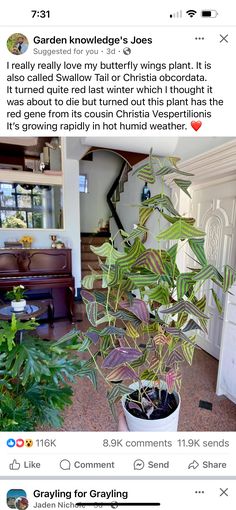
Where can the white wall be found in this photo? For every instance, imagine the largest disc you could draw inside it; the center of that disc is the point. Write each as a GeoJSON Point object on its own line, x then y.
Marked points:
{"type": "Point", "coordinates": [101, 173]}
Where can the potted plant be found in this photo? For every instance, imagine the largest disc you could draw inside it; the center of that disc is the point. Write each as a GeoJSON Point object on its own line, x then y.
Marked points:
{"type": "Point", "coordinates": [16, 295]}
{"type": "Point", "coordinates": [36, 376]}
{"type": "Point", "coordinates": [26, 241]}
{"type": "Point", "coordinates": [145, 319]}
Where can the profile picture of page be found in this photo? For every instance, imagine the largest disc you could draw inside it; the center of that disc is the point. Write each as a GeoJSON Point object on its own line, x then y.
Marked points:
{"type": "Point", "coordinates": [17, 498]}
{"type": "Point", "coordinates": [17, 44]}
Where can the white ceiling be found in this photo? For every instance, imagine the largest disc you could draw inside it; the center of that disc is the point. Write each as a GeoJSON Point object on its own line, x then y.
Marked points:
{"type": "Point", "coordinates": [183, 147]}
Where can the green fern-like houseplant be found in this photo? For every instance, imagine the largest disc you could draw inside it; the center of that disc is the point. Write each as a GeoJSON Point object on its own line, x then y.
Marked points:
{"type": "Point", "coordinates": [145, 318]}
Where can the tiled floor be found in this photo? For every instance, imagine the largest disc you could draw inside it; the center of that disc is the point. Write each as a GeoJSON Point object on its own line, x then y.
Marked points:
{"type": "Point", "coordinates": [199, 382]}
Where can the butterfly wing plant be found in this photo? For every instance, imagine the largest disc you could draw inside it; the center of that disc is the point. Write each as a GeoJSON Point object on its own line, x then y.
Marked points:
{"type": "Point", "coordinates": [144, 319]}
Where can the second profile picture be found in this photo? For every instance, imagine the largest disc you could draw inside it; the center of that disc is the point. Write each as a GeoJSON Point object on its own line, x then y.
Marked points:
{"type": "Point", "coordinates": [17, 44]}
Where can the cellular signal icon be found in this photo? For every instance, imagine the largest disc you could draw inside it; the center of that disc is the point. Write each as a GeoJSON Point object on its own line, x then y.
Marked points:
{"type": "Point", "coordinates": [177, 14]}
{"type": "Point", "coordinates": [191, 13]}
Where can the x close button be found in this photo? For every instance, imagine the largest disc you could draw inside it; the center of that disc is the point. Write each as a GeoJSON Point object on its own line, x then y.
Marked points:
{"type": "Point", "coordinates": [224, 492]}
{"type": "Point", "coordinates": [224, 38]}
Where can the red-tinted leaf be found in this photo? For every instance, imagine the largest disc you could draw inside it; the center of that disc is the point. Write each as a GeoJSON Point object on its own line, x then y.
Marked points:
{"type": "Point", "coordinates": [120, 355]}
{"type": "Point", "coordinates": [138, 308]}
{"type": "Point", "coordinates": [121, 373]}
{"type": "Point", "coordinates": [87, 296]}
{"type": "Point", "coordinates": [132, 405]}
{"type": "Point", "coordinates": [93, 336]}
{"type": "Point", "coordinates": [91, 310]}
{"type": "Point", "coordinates": [170, 380]}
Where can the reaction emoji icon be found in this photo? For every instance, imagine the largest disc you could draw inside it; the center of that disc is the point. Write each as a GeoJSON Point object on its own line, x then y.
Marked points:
{"type": "Point", "coordinates": [28, 443]}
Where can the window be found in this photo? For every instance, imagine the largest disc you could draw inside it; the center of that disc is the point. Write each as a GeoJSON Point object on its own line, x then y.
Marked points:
{"type": "Point", "coordinates": [83, 183]}
{"type": "Point", "coordinates": [21, 206]}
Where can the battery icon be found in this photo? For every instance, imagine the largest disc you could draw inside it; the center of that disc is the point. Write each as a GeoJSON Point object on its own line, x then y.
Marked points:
{"type": "Point", "coordinates": [209, 14]}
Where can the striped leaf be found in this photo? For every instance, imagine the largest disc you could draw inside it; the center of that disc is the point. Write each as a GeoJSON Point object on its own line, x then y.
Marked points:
{"type": "Point", "coordinates": [182, 318]}
{"type": "Point", "coordinates": [165, 170]}
{"type": "Point", "coordinates": [173, 160]}
{"type": "Point", "coordinates": [151, 260]}
{"type": "Point", "coordinates": [126, 261]}
{"type": "Point", "coordinates": [112, 330]}
{"type": "Point", "coordinates": [120, 355]}
{"type": "Point", "coordinates": [131, 331]}
{"type": "Point", "coordinates": [170, 380]}
{"type": "Point", "coordinates": [93, 336]}
{"type": "Point", "coordinates": [175, 356]}
{"type": "Point", "coordinates": [114, 395]}
{"type": "Point", "coordinates": [88, 297]}
{"type": "Point", "coordinates": [121, 373]}
{"type": "Point", "coordinates": [83, 346]}
{"type": "Point", "coordinates": [188, 351]}
{"type": "Point", "coordinates": [201, 303]}
{"type": "Point", "coordinates": [126, 316]}
{"type": "Point", "coordinates": [88, 280]}
{"type": "Point", "coordinates": [161, 293]}
{"type": "Point", "coordinates": [180, 230]}
{"type": "Point", "coordinates": [161, 339]}
{"type": "Point", "coordinates": [172, 252]}
{"type": "Point", "coordinates": [138, 308]}
{"type": "Point", "coordinates": [161, 200]}
{"type": "Point", "coordinates": [148, 375]}
{"type": "Point", "coordinates": [142, 280]}
{"type": "Point", "coordinates": [197, 246]}
{"type": "Point", "coordinates": [117, 392]}
{"type": "Point", "coordinates": [100, 297]}
{"type": "Point", "coordinates": [185, 306]}
{"type": "Point", "coordinates": [177, 333]}
{"type": "Point", "coordinates": [146, 173]}
{"type": "Point", "coordinates": [183, 283]}
{"type": "Point", "coordinates": [139, 361]}
{"type": "Point", "coordinates": [107, 317]}
{"type": "Point", "coordinates": [173, 219]}
{"type": "Point", "coordinates": [191, 325]}
{"type": "Point", "coordinates": [92, 310]}
{"type": "Point", "coordinates": [144, 215]}
{"type": "Point", "coordinates": [105, 344]}
{"type": "Point", "coordinates": [126, 286]}
{"type": "Point", "coordinates": [184, 185]}
{"type": "Point", "coordinates": [116, 278]}
{"type": "Point", "coordinates": [229, 278]}
{"type": "Point", "coordinates": [208, 272]}
{"type": "Point", "coordinates": [140, 231]}
{"type": "Point", "coordinates": [86, 371]}
{"type": "Point", "coordinates": [151, 328]}
{"type": "Point", "coordinates": [107, 251]}
{"type": "Point", "coordinates": [217, 301]}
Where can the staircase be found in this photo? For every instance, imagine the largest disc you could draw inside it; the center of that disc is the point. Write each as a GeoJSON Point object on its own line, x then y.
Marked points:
{"type": "Point", "coordinates": [88, 259]}
{"type": "Point", "coordinates": [130, 159]}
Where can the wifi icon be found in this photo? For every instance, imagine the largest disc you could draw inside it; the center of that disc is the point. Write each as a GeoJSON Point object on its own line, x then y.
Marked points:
{"type": "Point", "coordinates": [191, 13]}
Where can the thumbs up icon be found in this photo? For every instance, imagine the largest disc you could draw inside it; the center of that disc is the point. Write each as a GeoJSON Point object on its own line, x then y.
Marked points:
{"type": "Point", "coordinates": [14, 466]}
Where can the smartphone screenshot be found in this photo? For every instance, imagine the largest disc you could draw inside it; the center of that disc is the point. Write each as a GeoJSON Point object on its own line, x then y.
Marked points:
{"type": "Point", "coordinates": [117, 255]}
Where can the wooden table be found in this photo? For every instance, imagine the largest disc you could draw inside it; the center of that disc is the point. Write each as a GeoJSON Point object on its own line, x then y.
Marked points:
{"type": "Point", "coordinates": [33, 309]}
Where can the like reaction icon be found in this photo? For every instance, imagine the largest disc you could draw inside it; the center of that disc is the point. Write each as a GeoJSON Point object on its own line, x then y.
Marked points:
{"type": "Point", "coordinates": [14, 466]}
{"type": "Point", "coordinates": [11, 442]}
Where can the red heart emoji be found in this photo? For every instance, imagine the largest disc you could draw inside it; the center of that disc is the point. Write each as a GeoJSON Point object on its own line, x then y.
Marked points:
{"type": "Point", "coordinates": [20, 443]}
{"type": "Point", "coordinates": [196, 124]}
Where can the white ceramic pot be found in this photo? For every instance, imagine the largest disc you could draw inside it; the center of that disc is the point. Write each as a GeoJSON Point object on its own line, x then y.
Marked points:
{"type": "Point", "coordinates": [18, 306]}
{"type": "Point", "coordinates": [169, 424]}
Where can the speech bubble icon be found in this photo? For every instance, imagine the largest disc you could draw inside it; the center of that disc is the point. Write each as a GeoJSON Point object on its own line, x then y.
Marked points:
{"type": "Point", "coordinates": [65, 464]}
{"type": "Point", "coordinates": [138, 464]}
